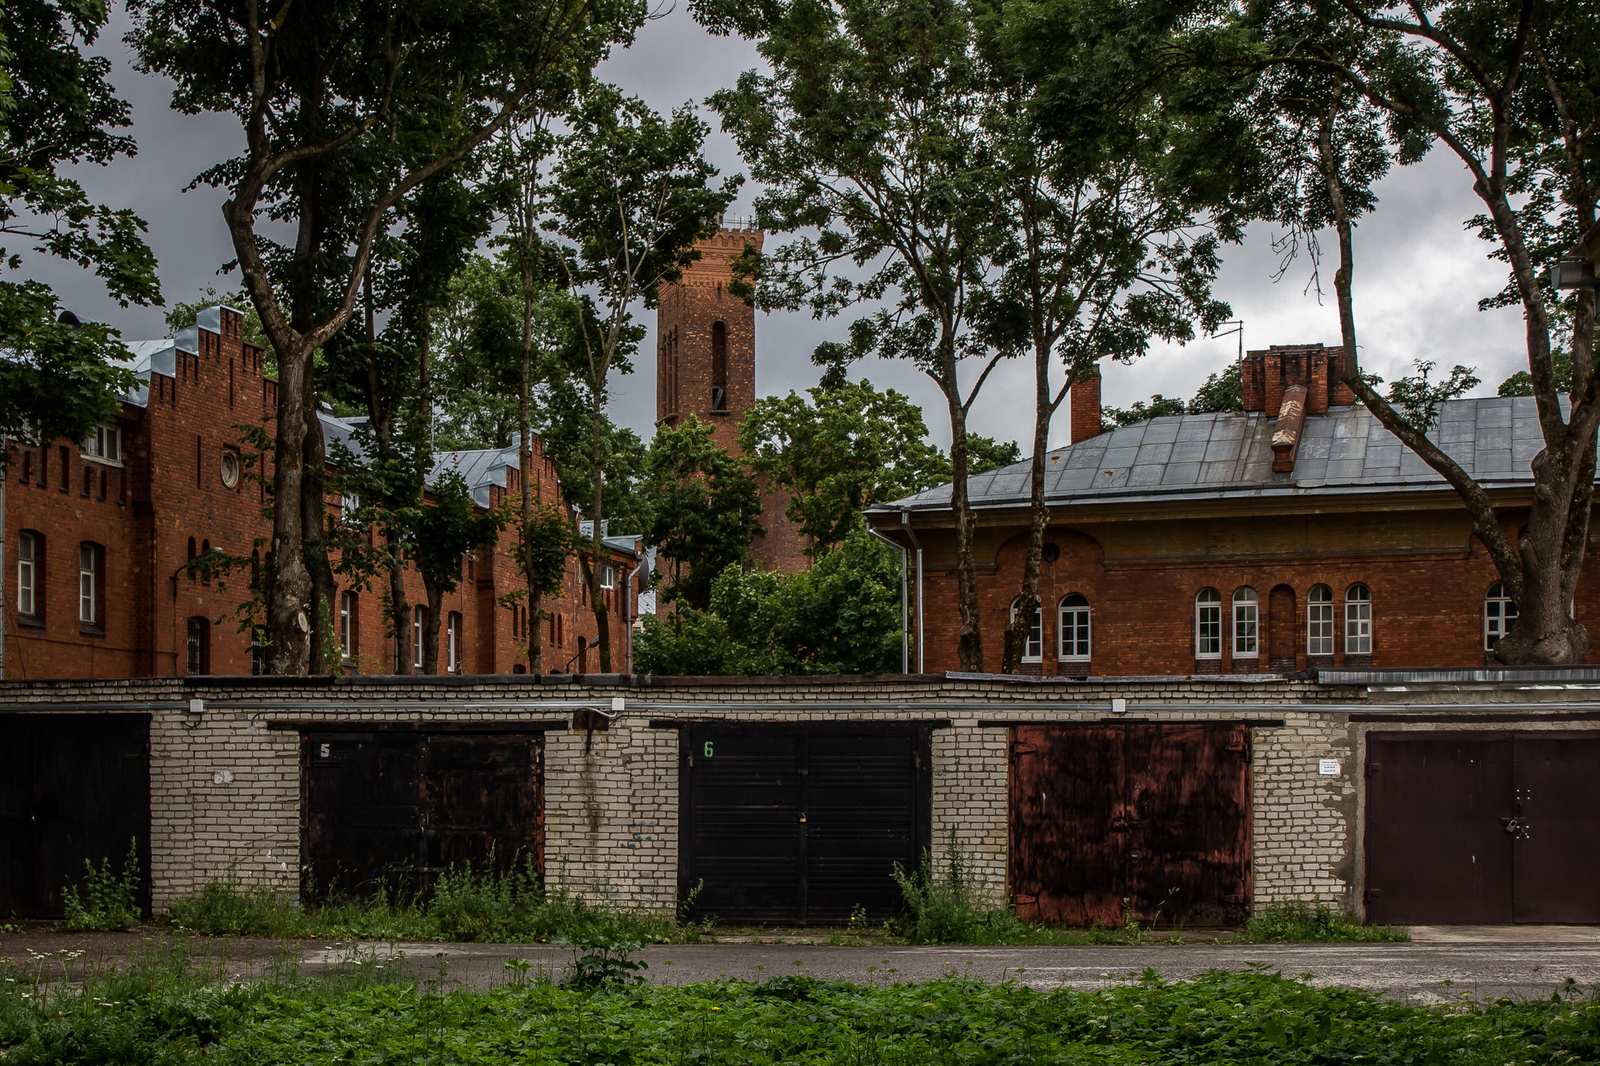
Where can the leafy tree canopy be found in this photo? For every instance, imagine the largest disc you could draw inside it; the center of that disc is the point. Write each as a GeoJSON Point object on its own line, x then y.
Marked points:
{"type": "Point", "coordinates": [705, 510]}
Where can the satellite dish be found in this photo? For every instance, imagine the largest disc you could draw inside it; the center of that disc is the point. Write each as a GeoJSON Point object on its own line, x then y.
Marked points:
{"type": "Point", "coordinates": [67, 318]}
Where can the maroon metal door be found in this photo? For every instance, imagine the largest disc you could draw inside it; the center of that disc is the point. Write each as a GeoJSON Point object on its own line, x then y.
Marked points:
{"type": "Point", "coordinates": [1436, 848]}
{"type": "Point", "coordinates": [1557, 839]}
{"type": "Point", "coordinates": [1153, 815]}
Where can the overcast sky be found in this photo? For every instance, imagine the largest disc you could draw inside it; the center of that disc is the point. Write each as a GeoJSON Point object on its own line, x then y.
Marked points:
{"type": "Point", "coordinates": [1419, 273]}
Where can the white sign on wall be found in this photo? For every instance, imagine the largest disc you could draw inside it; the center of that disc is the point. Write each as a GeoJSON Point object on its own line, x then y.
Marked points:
{"type": "Point", "coordinates": [1328, 767]}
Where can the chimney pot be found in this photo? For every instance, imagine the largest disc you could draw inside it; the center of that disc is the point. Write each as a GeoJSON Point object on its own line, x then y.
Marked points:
{"type": "Point", "coordinates": [1086, 407]}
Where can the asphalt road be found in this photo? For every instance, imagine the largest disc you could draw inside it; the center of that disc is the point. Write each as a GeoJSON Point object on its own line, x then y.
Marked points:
{"type": "Point", "coordinates": [1418, 972]}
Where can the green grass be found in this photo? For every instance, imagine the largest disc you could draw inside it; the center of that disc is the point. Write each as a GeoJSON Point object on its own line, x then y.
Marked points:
{"type": "Point", "coordinates": [164, 1009]}
{"type": "Point", "coordinates": [1300, 922]}
{"type": "Point", "coordinates": [507, 908]}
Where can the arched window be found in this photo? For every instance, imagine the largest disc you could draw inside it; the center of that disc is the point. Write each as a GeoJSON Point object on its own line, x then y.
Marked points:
{"type": "Point", "coordinates": [205, 571]}
{"type": "Point", "coordinates": [1499, 615]}
{"type": "Point", "coordinates": [198, 643]}
{"type": "Point", "coordinates": [453, 643]}
{"type": "Point", "coordinates": [1358, 620]}
{"type": "Point", "coordinates": [1075, 626]}
{"type": "Point", "coordinates": [1246, 623]}
{"type": "Point", "coordinates": [419, 619]}
{"type": "Point", "coordinates": [30, 576]}
{"type": "Point", "coordinates": [349, 622]}
{"type": "Point", "coordinates": [1208, 624]}
{"type": "Point", "coordinates": [1033, 650]}
{"type": "Point", "coordinates": [1319, 620]}
{"type": "Point", "coordinates": [192, 554]}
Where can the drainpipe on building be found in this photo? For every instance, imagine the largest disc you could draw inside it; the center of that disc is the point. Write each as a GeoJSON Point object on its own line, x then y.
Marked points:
{"type": "Point", "coordinates": [905, 521]}
{"type": "Point", "coordinates": [905, 632]}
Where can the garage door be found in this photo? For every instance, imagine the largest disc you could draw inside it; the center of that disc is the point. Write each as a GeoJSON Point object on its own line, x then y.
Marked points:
{"type": "Point", "coordinates": [1147, 817]}
{"type": "Point", "coordinates": [1469, 828]}
{"type": "Point", "coordinates": [72, 787]}
{"type": "Point", "coordinates": [397, 809]}
{"type": "Point", "coordinates": [799, 823]}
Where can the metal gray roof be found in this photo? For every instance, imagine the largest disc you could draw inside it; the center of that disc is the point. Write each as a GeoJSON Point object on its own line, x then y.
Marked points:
{"type": "Point", "coordinates": [1212, 456]}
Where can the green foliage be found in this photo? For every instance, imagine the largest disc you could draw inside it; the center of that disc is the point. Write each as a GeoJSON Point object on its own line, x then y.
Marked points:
{"type": "Point", "coordinates": [986, 453]}
{"type": "Point", "coordinates": [1417, 399]}
{"type": "Point", "coordinates": [168, 1009]}
{"type": "Point", "coordinates": [543, 547]}
{"type": "Point", "coordinates": [839, 616]}
{"type": "Point", "coordinates": [1220, 392]}
{"type": "Point", "coordinates": [943, 906]}
{"type": "Point", "coordinates": [1521, 383]}
{"type": "Point", "coordinates": [704, 511]}
{"type": "Point", "coordinates": [1298, 921]}
{"type": "Point", "coordinates": [602, 959]}
{"type": "Point", "coordinates": [110, 901]}
{"type": "Point", "coordinates": [1159, 407]}
{"type": "Point", "coordinates": [515, 906]}
{"type": "Point", "coordinates": [450, 528]}
{"type": "Point", "coordinates": [847, 448]}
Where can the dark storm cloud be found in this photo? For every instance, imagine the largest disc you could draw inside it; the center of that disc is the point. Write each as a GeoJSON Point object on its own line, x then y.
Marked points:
{"type": "Point", "coordinates": [1419, 274]}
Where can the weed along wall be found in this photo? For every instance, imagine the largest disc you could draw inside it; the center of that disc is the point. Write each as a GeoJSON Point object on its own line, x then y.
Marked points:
{"type": "Point", "coordinates": [790, 800]}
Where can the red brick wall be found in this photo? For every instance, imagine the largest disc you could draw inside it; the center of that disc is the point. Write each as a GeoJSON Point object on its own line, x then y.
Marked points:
{"type": "Point", "coordinates": [169, 489]}
{"type": "Point", "coordinates": [1427, 609]}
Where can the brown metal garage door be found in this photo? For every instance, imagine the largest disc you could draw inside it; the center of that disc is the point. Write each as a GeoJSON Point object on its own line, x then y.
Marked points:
{"type": "Point", "coordinates": [1152, 814]}
{"type": "Point", "coordinates": [72, 787]}
{"type": "Point", "coordinates": [397, 809]}
{"type": "Point", "coordinates": [1467, 828]}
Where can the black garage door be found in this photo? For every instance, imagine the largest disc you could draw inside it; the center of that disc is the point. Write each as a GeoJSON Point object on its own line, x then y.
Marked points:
{"type": "Point", "coordinates": [397, 809]}
{"type": "Point", "coordinates": [798, 823]}
{"type": "Point", "coordinates": [1467, 828]}
{"type": "Point", "coordinates": [1148, 817]}
{"type": "Point", "coordinates": [72, 787]}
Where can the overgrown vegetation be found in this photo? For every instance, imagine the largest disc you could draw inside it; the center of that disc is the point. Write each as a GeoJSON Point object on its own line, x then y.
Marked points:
{"type": "Point", "coordinates": [110, 900]}
{"type": "Point", "coordinates": [1299, 921]}
{"type": "Point", "coordinates": [164, 1008]}
{"type": "Point", "coordinates": [505, 908]}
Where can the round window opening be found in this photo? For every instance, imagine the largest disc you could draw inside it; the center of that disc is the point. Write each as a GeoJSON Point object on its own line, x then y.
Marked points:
{"type": "Point", "coordinates": [230, 469]}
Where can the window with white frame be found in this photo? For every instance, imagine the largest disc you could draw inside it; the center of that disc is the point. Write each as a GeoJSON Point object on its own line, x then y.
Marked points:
{"type": "Point", "coordinates": [419, 618]}
{"type": "Point", "coordinates": [1319, 620]}
{"type": "Point", "coordinates": [1208, 624]}
{"type": "Point", "coordinates": [1033, 650]}
{"type": "Point", "coordinates": [453, 643]}
{"type": "Point", "coordinates": [1246, 623]}
{"type": "Point", "coordinates": [103, 443]}
{"type": "Point", "coordinates": [29, 557]}
{"type": "Point", "coordinates": [608, 576]}
{"type": "Point", "coordinates": [347, 622]}
{"type": "Point", "coordinates": [1074, 626]}
{"type": "Point", "coordinates": [1358, 620]}
{"type": "Point", "coordinates": [89, 582]}
{"type": "Point", "coordinates": [1499, 615]}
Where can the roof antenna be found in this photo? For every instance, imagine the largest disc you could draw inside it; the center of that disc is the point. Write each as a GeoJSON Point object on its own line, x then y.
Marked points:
{"type": "Point", "coordinates": [1238, 327]}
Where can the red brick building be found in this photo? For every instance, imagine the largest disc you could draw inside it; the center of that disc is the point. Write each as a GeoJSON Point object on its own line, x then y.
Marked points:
{"type": "Point", "coordinates": [1298, 533]}
{"type": "Point", "coordinates": [706, 367]}
{"type": "Point", "coordinates": [99, 535]}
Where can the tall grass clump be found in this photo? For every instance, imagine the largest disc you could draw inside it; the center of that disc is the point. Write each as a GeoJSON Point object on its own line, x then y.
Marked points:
{"type": "Point", "coordinates": [1300, 921]}
{"type": "Point", "coordinates": [110, 900]}
{"type": "Point", "coordinates": [942, 905]}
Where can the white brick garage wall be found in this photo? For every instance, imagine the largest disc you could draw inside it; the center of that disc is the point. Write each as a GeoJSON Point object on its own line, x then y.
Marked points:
{"type": "Point", "coordinates": [226, 782]}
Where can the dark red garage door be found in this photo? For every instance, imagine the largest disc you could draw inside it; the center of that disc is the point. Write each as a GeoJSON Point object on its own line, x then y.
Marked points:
{"type": "Point", "coordinates": [1154, 814]}
{"type": "Point", "coordinates": [1466, 828]}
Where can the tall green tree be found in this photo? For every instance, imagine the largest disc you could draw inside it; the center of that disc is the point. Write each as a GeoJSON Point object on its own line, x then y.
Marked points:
{"type": "Point", "coordinates": [866, 133]}
{"type": "Point", "coordinates": [57, 109]}
{"type": "Point", "coordinates": [632, 195]}
{"type": "Point", "coordinates": [1512, 91]}
{"type": "Point", "coordinates": [365, 101]}
{"type": "Point", "coordinates": [705, 511]}
{"type": "Point", "coordinates": [839, 452]}
{"type": "Point", "coordinates": [447, 530]}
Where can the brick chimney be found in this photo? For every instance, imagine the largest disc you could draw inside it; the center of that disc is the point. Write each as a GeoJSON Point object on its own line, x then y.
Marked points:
{"type": "Point", "coordinates": [1086, 407]}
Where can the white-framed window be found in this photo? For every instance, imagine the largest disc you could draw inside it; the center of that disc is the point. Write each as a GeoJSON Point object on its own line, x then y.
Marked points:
{"type": "Point", "coordinates": [1246, 623]}
{"type": "Point", "coordinates": [1033, 650]}
{"type": "Point", "coordinates": [453, 643]}
{"type": "Point", "coordinates": [419, 618]}
{"type": "Point", "coordinates": [89, 584]}
{"type": "Point", "coordinates": [1208, 624]}
{"type": "Point", "coordinates": [349, 504]}
{"type": "Point", "coordinates": [347, 622]}
{"type": "Point", "coordinates": [1074, 636]}
{"type": "Point", "coordinates": [28, 558]}
{"type": "Point", "coordinates": [104, 443]}
{"type": "Point", "coordinates": [1499, 615]}
{"type": "Point", "coordinates": [608, 576]}
{"type": "Point", "coordinates": [1358, 620]}
{"type": "Point", "coordinates": [1319, 620]}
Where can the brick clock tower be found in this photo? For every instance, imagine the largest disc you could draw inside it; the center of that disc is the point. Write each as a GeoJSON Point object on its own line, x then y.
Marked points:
{"type": "Point", "coordinates": [706, 367]}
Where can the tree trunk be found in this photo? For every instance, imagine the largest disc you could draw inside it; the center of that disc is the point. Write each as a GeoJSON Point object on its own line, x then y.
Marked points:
{"type": "Point", "coordinates": [1020, 622]}
{"type": "Point", "coordinates": [969, 644]}
{"type": "Point", "coordinates": [597, 603]}
{"type": "Point", "coordinates": [430, 627]}
{"type": "Point", "coordinates": [399, 612]}
{"type": "Point", "coordinates": [535, 632]}
{"type": "Point", "coordinates": [289, 585]}
{"type": "Point", "coordinates": [313, 526]}
{"type": "Point", "coordinates": [525, 459]}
